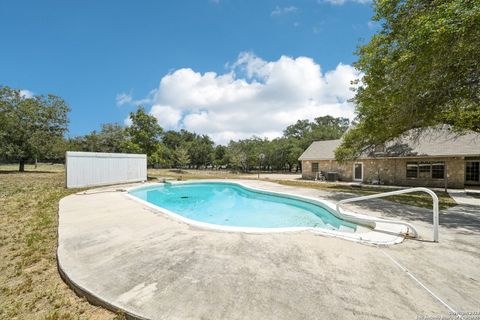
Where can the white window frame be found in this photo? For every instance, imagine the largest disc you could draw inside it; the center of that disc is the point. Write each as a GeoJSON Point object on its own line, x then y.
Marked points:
{"type": "Point", "coordinates": [353, 176]}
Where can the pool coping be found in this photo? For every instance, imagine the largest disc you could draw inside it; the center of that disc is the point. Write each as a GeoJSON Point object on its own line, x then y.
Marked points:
{"type": "Point", "coordinates": [390, 233]}
{"type": "Point", "coordinates": [98, 298]}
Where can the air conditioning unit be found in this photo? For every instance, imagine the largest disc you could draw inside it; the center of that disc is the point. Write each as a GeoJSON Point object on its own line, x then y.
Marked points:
{"type": "Point", "coordinates": [332, 176]}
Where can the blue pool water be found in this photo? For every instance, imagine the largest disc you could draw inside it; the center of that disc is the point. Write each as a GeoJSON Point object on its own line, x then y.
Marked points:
{"type": "Point", "coordinates": [233, 205]}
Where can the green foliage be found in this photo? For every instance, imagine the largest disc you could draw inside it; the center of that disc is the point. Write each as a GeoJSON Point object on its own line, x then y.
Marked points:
{"type": "Point", "coordinates": [200, 147]}
{"type": "Point", "coordinates": [243, 154]}
{"type": "Point", "coordinates": [57, 149]}
{"type": "Point", "coordinates": [323, 128]}
{"type": "Point", "coordinates": [200, 151]}
{"type": "Point", "coordinates": [144, 131]}
{"type": "Point", "coordinates": [421, 70]}
{"type": "Point", "coordinates": [161, 157]}
{"type": "Point", "coordinates": [181, 156]}
{"type": "Point", "coordinates": [283, 153]}
{"type": "Point", "coordinates": [111, 138]}
{"type": "Point", "coordinates": [30, 127]}
{"type": "Point", "coordinates": [219, 156]}
{"type": "Point", "coordinates": [237, 158]}
{"type": "Point", "coordinates": [173, 139]}
{"type": "Point", "coordinates": [129, 147]}
{"type": "Point", "coordinates": [294, 152]}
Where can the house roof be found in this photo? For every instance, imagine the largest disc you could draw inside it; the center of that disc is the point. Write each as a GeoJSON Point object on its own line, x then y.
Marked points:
{"type": "Point", "coordinates": [321, 150]}
{"type": "Point", "coordinates": [432, 143]}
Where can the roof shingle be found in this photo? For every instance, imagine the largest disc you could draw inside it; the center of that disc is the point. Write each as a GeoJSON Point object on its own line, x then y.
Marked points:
{"type": "Point", "coordinates": [432, 143]}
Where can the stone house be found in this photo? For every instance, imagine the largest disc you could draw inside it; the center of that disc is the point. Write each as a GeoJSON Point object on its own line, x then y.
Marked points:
{"type": "Point", "coordinates": [431, 160]}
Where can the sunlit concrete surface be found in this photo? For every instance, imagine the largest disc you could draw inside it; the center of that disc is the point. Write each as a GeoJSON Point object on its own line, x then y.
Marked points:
{"type": "Point", "coordinates": [461, 197]}
{"type": "Point", "coordinates": [124, 255]}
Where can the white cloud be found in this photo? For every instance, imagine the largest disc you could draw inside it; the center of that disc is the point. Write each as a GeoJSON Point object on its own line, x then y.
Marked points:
{"type": "Point", "coordinates": [278, 11]}
{"type": "Point", "coordinates": [254, 97]}
{"type": "Point", "coordinates": [123, 99]}
{"type": "Point", "coordinates": [252, 65]}
{"type": "Point", "coordinates": [334, 2]}
{"type": "Point", "coordinates": [166, 115]}
{"type": "Point", "coordinates": [127, 99]}
{"type": "Point", "coordinates": [127, 122]}
{"type": "Point", "coordinates": [26, 94]}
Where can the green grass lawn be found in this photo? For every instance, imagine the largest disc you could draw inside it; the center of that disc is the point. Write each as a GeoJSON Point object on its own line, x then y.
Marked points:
{"type": "Point", "coordinates": [30, 286]}
{"type": "Point", "coordinates": [189, 174]}
{"type": "Point", "coordinates": [418, 199]}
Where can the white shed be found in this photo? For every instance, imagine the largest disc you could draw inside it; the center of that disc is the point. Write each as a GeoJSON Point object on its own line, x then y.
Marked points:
{"type": "Point", "coordinates": [84, 169]}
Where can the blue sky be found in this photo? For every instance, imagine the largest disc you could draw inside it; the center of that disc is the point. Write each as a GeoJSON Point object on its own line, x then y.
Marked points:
{"type": "Point", "coordinates": [104, 57]}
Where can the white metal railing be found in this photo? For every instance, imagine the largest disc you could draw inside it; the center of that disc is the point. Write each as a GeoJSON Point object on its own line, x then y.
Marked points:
{"type": "Point", "coordinates": [397, 192]}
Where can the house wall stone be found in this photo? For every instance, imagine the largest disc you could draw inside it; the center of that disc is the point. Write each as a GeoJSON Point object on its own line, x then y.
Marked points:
{"type": "Point", "coordinates": [391, 171]}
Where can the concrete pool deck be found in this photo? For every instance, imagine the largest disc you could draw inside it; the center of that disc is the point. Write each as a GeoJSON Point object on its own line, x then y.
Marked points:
{"type": "Point", "coordinates": [122, 254]}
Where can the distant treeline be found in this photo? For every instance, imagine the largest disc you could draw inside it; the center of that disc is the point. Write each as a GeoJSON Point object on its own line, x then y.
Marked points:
{"type": "Point", "coordinates": [34, 128]}
{"type": "Point", "coordinates": [184, 149]}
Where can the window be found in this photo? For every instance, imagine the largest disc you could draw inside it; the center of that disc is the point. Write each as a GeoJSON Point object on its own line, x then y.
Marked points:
{"type": "Point", "coordinates": [426, 170]}
{"type": "Point", "coordinates": [424, 167]}
{"type": "Point", "coordinates": [472, 171]}
{"type": "Point", "coordinates": [438, 170]}
{"type": "Point", "coordinates": [412, 170]}
{"type": "Point", "coordinates": [315, 167]}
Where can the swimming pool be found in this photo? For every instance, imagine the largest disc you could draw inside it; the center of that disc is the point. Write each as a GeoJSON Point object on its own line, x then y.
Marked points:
{"type": "Point", "coordinates": [233, 205]}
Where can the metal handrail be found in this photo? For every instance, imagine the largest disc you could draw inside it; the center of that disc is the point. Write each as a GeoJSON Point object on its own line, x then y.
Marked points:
{"type": "Point", "coordinates": [396, 192]}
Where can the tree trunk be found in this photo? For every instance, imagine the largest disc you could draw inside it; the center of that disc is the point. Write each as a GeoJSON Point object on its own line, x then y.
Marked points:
{"type": "Point", "coordinates": [21, 165]}
{"type": "Point", "coordinates": [36, 162]}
